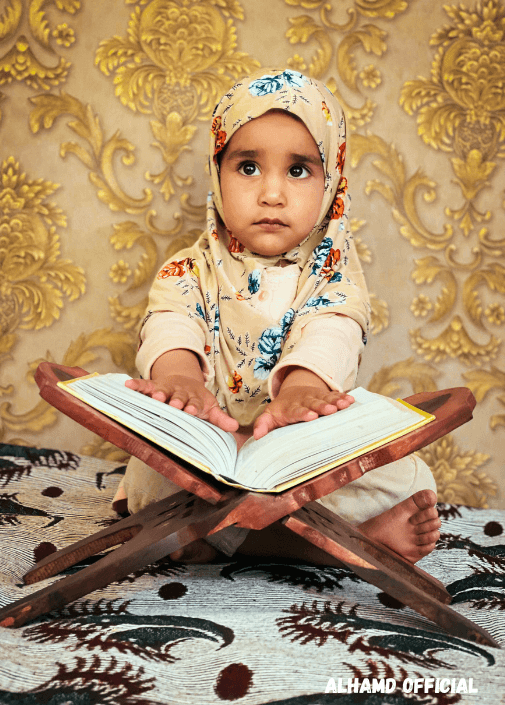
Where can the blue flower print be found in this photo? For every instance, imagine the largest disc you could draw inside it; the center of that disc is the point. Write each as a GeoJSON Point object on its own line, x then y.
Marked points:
{"type": "Point", "coordinates": [254, 281]}
{"type": "Point", "coordinates": [216, 321]}
{"type": "Point", "coordinates": [286, 321]}
{"type": "Point", "coordinates": [320, 253]}
{"type": "Point", "coordinates": [199, 311]}
{"type": "Point", "coordinates": [337, 277]}
{"type": "Point", "coordinates": [263, 367]}
{"type": "Point", "coordinates": [270, 341]}
{"type": "Point", "coordinates": [325, 301]}
{"type": "Point", "coordinates": [318, 301]}
{"type": "Point", "coordinates": [266, 84]}
{"type": "Point", "coordinates": [271, 84]}
{"type": "Point", "coordinates": [270, 345]}
{"type": "Point", "coordinates": [293, 78]}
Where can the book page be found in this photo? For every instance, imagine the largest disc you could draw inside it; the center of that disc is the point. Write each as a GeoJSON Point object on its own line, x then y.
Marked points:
{"type": "Point", "coordinates": [195, 440]}
{"type": "Point", "coordinates": [285, 455]}
{"type": "Point", "coordinates": [282, 458]}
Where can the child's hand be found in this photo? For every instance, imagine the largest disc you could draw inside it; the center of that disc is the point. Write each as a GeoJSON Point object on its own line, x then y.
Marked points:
{"type": "Point", "coordinates": [299, 403]}
{"type": "Point", "coordinates": [187, 394]}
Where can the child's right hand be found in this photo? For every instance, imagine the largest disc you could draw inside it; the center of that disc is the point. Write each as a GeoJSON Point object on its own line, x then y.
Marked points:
{"type": "Point", "coordinates": [187, 394]}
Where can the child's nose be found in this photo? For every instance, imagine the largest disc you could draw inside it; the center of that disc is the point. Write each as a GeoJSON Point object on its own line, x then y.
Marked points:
{"type": "Point", "coordinates": [272, 191]}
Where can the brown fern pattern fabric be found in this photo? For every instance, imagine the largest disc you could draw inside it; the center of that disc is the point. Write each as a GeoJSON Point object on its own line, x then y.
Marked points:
{"type": "Point", "coordinates": [240, 631]}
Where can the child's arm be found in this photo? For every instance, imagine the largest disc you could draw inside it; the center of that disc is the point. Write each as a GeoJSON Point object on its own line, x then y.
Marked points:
{"type": "Point", "coordinates": [177, 378]}
{"type": "Point", "coordinates": [306, 383]}
{"type": "Point", "coordinates": [303, 396]}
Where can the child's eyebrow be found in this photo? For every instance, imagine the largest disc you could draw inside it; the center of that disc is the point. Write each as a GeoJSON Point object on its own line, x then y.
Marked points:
{"type": "Point", "coordinates": [255, 153]}
{"type": "Point", "coordinates": [243, 154]}
{"type": "Point", "coordinates": [306, 158]}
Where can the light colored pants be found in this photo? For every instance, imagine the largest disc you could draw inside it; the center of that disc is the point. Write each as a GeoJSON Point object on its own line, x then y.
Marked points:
{"type": "Point", "coordinates": [362, 499]}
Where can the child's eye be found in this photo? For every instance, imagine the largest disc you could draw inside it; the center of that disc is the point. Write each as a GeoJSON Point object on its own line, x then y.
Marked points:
{"type": "Point", "coordinates": [298, 171]}
{"type": "Point", "coordinates": [248, 169]}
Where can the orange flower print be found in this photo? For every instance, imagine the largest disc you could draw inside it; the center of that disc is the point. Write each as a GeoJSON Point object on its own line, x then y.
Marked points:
{"type": "Point", "coordinates": [338, 203]}
{"type": "Point", "coordinates": [214, 234]}
{"type": "Point", "coordinates": [341, 158]}
{"type": "Point", "coordinates": [220, 142]}
{"type": "Point", "coordinates": [330, 265]}
{"type": "Point", "coordinates": [326, 113]}
{"type": "Point", "coordinates": [239, 296]}
{"type": "Point", "coordinates": [219, 136]}
{"type": "Point", "coordinates": [234, 383]}
{"type": "Point", "coordinates": [337, 208]}
{"type": "Point", "coordinates": [177, 268]}
{"type": "Point", "coordinates": [206, 350]}
{"type": "Point", "coordinates": [235, 245]}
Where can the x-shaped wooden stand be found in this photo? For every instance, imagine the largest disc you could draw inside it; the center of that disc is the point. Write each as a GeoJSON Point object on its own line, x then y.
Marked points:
{"type": "Point", "coordinates": [205, 506]}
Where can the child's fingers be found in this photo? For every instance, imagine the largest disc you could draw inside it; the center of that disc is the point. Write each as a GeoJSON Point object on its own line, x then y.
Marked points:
{"type": "Point", "coordinates": [340, 400]}
{"type": "Point", "coordinates": [263, 425]}
{"type": "Point", "coordinates": [319, 406]}
{"type": "Point", "coordinates": [176, 403]}
{"type": "Point", "coordinates": [186, 400]}
{"type": "Point", "coordinates": [309, 407]}
{"type": "Point", "coordinates": [146, 387]}
{"type": "Point", "coordinates": [300, 415]}
{"type": "Point", "coordinates": [191, 405]}
{"type": "Point", "coordinates": [328, 404]}
{"type": "Point", "coordinates": [198, 403]}
{"type": "Point", "coordinates": [268, 421]}
{"type": "Point", "coordinates": [221, 419]}
{"type": "Point", "coordinates": [203, 407]}
{"type": "Point", "coordinates": [159, 395]}
{"type": "Point", "coordinates": [139, 385]}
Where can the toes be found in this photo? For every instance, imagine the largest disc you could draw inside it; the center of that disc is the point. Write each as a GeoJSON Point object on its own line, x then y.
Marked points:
{"type": "Point", "coordinates": [424, 550]}
{"type": "Point", "coordinates": [424, 515]}
{"type": "Point", "coordinates": [426, 526]}
{"type": "Point", "coordinates": [417, 552]}
{"type": "Point", "coordinates": [421, 506]}
{"type": "Point", "coordinates": [424, 499]}
{"type": "Point", "coordinates": [431, 537]}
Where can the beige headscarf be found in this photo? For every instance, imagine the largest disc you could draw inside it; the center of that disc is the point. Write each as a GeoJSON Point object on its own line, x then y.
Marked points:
{"type": "Point", "coordinates": [213, 281]}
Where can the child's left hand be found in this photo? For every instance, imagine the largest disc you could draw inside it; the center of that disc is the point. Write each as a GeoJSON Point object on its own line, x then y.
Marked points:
{"type": "Point", "coordinates": [299, 403]}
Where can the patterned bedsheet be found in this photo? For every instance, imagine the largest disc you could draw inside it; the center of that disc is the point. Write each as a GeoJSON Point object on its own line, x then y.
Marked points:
{"type": "Point", "coordinates": [241, 631]}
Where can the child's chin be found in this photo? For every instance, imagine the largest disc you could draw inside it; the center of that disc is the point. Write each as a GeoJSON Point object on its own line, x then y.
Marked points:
{"type": "Point", "coordinates": [266, 250]}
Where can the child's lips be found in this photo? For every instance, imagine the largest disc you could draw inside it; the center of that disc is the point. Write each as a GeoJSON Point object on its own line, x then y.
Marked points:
{"type": "Point", "coordinates": [271, 224]}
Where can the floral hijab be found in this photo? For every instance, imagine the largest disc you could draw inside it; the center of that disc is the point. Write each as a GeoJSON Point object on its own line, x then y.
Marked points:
{"type": "Point", "coordinates": [213, 281]}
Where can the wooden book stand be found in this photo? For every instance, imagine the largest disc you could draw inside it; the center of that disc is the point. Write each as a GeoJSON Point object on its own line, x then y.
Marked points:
{"type": "Point", "coordinates": [205, 506]}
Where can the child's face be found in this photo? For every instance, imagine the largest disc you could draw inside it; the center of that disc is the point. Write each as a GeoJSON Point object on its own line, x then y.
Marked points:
{"type": "Point", "coordinates": [272, 184]}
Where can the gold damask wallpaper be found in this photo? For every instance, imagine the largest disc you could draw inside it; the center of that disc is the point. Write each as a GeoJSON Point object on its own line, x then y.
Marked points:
{"type": "Point", "coordinates": [104, 111]}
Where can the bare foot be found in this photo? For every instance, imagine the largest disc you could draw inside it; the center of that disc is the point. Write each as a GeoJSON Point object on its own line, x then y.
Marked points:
{"type": "Point", "coordinates": [197, 552]}
{"type": "Point", "coordinates": [410, 528]}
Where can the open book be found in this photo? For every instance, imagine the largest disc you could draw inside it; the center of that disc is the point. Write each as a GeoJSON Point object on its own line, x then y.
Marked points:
{"type": "Point", "coordinates": [283, 458]}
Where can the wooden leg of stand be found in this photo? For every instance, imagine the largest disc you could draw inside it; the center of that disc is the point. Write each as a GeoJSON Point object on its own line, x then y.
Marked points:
{"type": "Point", "coordinates": [170, 526]}
{"type": "Point", "coordinates": [381, 567]}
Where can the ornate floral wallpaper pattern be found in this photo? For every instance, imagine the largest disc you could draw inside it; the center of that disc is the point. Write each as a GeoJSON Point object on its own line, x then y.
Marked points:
{"type": "Point", "coordinates": [103, 132]}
